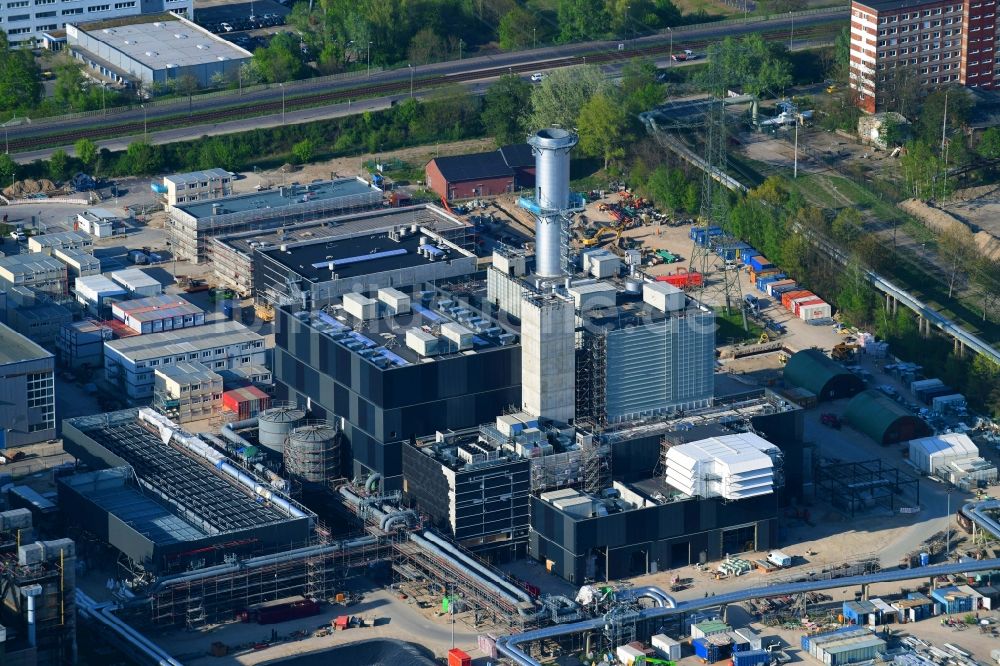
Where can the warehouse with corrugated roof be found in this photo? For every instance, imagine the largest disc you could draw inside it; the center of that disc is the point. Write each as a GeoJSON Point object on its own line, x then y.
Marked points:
{"type": "Point", "coordinates": [815, 372]}
{"type": "Point", "coordinates": [883, 419]}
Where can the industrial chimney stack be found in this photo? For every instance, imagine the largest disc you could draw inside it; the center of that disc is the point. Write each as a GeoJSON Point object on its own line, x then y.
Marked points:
{"type": "Point", "coordinates": [551, 148]}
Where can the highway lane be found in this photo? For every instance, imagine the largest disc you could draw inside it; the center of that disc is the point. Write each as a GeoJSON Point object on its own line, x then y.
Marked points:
{"type": "Point", "coordinates": [422, 76]}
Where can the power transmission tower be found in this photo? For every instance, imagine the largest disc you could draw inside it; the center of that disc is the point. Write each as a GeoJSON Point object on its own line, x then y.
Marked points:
{"type": "Point", "coordinates": [720, 283]}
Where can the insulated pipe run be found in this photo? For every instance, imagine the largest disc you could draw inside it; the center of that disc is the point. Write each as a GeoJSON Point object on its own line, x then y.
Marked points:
{"type": "Point", "coordinates": [457, 554]}
{"type": "Point", "coordinates": [102, 613]}
{"type": "Point", "coordinates": [430, 547]}
{"type": "Point", "coordinates": [229, 431]}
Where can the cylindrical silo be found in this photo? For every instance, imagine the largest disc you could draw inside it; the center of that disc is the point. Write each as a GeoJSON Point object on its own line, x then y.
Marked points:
{"type": "Point", "coordinates": [312, 452]}
{"type": "Point", "coordinates": [275, 424]}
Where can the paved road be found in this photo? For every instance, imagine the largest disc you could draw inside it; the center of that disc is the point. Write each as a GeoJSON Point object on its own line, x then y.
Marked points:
{"type": "Point", "coordinates": [314, 114]}
{"type": "Point", "coordinates": [537, 58]}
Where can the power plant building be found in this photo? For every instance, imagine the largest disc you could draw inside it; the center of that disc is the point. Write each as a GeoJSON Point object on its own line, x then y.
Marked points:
{"type": "Point", "coordinates": [474, 486]}
{"type": "Point", "coordinates": [321, 269]}
{"type": "Point", "coordinates": [191, 225]}
{"type": "Point", "coordinates": [444, 365]}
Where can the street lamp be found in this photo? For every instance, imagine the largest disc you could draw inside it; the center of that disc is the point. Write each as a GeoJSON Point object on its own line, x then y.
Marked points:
{"type": "Point", "coordinates": [534, 39]}
{"type": "Point", "coordinates": [369, 60]}
{"type": "Point", "coordinates": [411, 78]}
{"type": "Point", "coordinates": [145, 132]}
{"type": "Point", "coordinates": [671, 31]}
{"type": "Point", "coordinates": [282, 86]}
{"type": "Point", "coordinates": [459, 48]}
{"type": "Point", "coordinates": [791, 35]}
{"type": "Point", "coordinates": [947, 528]}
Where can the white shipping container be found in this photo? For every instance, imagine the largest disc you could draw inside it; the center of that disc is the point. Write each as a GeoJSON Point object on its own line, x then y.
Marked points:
{"type": "Point", "coordinates": [779, 558]}
{"type": "Point", "coordinates": [815, 311]}
{"type": "Point", "coordinates": [666, 647]}
{"type": "Point", "coordinates": [663, 296]}
{"type": "Point", "coordinates": [627, 654]}
{"type": "Point", "coordinates": [605, 266]}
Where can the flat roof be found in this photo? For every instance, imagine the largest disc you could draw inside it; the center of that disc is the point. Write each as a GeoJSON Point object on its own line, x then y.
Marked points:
{"type": "Point", "coordinates": [101, 213]}
{"type": "Point", "coordinates": [99, 283]}
{"type": "Point", "coordinates": [197, 176]}
{"type": "Point", "coordinates": [189, 371]}
{"type": "Point", "coordinates": [164, 43]}
{"type": "Point", "coordinates": [361, 255]}
{"type": "Point", "coordinates": [35, 261]}
{"type": "Point", "coordinates": [423, 215]}
{"type": "Point", "coordinates": [113, 491]}
{"type": "Point", "coordinates": [60, 237]}
{"type": "Point", "coordinates": [133, 277]}
{"type": "Point", "coordinates": [384, 339]}
{"type": "Point", "coordinates": [157, 307]}
{"type": "Point", "coordinates": [278, 197]}
{"type": "Point", "coordinates": [183, 341]}
{"type": "Point", "coordinates": [632, 310]}
{"type": "Point", "coordinates": [15, 348]}
{"type": "Point", "coordinates": [896, 5]}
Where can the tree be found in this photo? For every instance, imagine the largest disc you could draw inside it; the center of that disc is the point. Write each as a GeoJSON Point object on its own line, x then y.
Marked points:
{"type": "Point", "coordinates": [920, 169]}
{"type": "Point", "coordinates": [989, 143]}
{"type": "Point", "coordinates": [602, 128]}
{"type": "Point", "coordinates": [518, 29]}
{"type": "Point", "coordinates": [856, 299]}
{"type": "Point", "coordinates": [58, 165]}
{"type": "Point", "coordinates": [558, 99]}
{"type": "Point", "coordinates": [505, 108]}
{"type": "Point", "coordinates": [958, 248]}
{"type": "Point", "coordinates": [757, 66]}
{"type": "Point", "coordinates": [8, 167]}
{"type": "Point", "coordinates": [841, 67]}
{"type": "Point", "coordinates": [847, 227]}
{"type": "Point", "coordinates": [280, 60]}
{"type": "Point", "coordinates": [20, 78]}
{"type": "Point", "coordinates": [85, 151]}
{"type": "Point", "coordinates": [581, 19]}
{"type": "Point", "coordinates": [902, 92]}
{"type": "Point", "coordinates": [930, 119]}
{"type": "Point", "coordinates": [304, 150]}
{"type": "Point", "coordinates": [69, 89]}
{"type": "Point", "coordinates": [692, 197]}
{"type": "Point", "coordinates": [986, 279]}
{"type": "Point", "coordinates": [639, 89]}
{"type": "Point", "coordinates": [141, 159]}
{"type": "Point", "coordinates": [426, 46]}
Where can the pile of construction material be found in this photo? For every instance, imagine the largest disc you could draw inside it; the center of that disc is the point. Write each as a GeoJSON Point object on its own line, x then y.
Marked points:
{"type": "Point", "coordinates": [30, 187]}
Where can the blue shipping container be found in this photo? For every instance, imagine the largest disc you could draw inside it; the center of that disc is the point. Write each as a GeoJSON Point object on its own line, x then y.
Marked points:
{"type": "Point", "coordinates": [751, 658]}
{"type": "Point", "coordinates": [760, 263]}
{"type": "Point", "coordinates": [762, 282]}
{"type": "Point", "coordinates": [778, 291]}
{"type": "Point", "coordinates": [740, 647]}
{"type": "Point", "coordinates": [700, 646]}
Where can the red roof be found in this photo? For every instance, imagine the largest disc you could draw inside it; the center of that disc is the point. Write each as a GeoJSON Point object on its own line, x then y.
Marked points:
{"type": "Point", "coordinates": [246, 394]}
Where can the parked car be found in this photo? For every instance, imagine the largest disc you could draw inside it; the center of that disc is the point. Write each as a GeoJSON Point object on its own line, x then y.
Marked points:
{"type": "Point", "coordinates": [17, 235]}
{"type": "Point", "coordinates": [226, 27]}
{"type": "Point", "coordinates": [679, 57]}
{"type": "Point", "coordinates": [537, 77]}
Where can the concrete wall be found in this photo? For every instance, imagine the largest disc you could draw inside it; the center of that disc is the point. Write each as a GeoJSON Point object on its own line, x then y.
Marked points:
{"type": "Point", "coordinates": [548, 358]}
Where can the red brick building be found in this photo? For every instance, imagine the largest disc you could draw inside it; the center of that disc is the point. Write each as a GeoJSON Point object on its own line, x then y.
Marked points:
{"type": "Point", "coordinates": [507, 169]}
{"type": "Point", "coordinates": [938, 43]}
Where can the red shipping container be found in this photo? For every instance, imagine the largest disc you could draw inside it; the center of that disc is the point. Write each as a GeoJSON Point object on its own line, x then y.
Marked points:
{"type": "Point", "coordinates": [245, 402]}
{"type": "Point", "coordinates": [457, 657]}
{"type": "Point", "coordinates": [790, 296]}
{"type": "Point", "coordinates": [681, 279]}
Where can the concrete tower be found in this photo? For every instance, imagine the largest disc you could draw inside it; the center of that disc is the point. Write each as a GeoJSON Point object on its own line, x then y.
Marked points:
{"type": "Point", "coordinates": [548, 357]}
{"type": "Point", "coordinates": [551, 148]}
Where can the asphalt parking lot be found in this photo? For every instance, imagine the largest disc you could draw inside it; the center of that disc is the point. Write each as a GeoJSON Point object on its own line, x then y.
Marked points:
{"type": "Point", "coordinates": [238, 15]}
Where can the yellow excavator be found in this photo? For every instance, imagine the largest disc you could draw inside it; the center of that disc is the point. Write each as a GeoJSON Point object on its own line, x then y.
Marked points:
{"type": "Point", "coordinates": [591, 241]}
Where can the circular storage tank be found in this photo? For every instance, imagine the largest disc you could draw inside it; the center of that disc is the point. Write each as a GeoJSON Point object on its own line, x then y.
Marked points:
{"type": "Point", "coordinates": [633, 286]}
{"type": "Point", "coordinates": [275, 424]}
{"type": "Point", "coordinates": [312, 452]}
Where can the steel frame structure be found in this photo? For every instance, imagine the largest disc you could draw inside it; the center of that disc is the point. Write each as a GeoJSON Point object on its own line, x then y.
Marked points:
{"type": "Point", "coordinates": [854, 486]}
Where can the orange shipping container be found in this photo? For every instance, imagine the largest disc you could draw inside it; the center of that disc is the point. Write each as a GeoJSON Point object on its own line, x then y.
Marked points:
{"type": "Point", "coordinates": [458, 657]}
{"type": "Point", "coordinates": [787, 298]}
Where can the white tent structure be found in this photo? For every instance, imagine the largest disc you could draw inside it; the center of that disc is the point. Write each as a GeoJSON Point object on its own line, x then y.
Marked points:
{"type": "Point", "coordinates": [930, 454]}
{"type": "Point", "coordinates": [730, 466]}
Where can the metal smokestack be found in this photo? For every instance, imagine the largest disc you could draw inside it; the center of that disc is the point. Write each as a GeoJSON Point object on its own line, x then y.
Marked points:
{"type": "Point", "coordinates": [551, 147]}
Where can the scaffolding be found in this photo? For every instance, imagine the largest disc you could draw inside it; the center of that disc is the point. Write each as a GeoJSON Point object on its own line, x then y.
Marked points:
{"type": "Point", "coordinates": [217, 598]}
{"type": "Point", "coordinates": [591, 380]}
{"type": "Point", "coordinates": [862, 486]}
{"type": "Point", "coordinates": [55, 603]}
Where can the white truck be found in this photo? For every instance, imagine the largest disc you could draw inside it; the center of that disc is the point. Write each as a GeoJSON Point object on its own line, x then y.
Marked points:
{"type": "Point", "coordinates": [780, 559]}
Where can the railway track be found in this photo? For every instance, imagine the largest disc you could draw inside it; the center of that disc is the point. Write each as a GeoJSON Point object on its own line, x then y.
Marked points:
{"type": "Point", "coordinates": [308, 100]}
